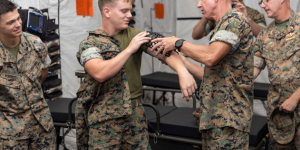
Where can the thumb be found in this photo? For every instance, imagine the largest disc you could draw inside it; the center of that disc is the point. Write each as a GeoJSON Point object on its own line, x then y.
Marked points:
{"type": "Point", "coordinates": [280, 108]}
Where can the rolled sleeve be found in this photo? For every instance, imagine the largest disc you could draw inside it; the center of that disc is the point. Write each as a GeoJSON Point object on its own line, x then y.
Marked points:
{"type": "Point", "coordinates": [259, 62]}
{"type": "Point", "coordinates": [47, 62]}
{"type": "Point", "coordinates": [228, 37]}
{"type": "Point", "coordinates": [88, 54]}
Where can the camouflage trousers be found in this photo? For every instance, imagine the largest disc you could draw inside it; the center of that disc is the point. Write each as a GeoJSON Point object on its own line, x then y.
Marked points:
{"type": "Point", "coordinates": [41, 141]}
{"type": "Point", "coordinates": [224, 138]}
{"type": "Point", "coordinates": [126, 133]}
{"type": "Point", "coordinates": [294, 145]}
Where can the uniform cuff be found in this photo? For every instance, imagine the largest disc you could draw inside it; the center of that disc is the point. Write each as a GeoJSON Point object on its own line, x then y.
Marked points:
{"type": "Point", "coordinates": [47, 62]}
{"type": "Point", "coordinates": [88, 54]}
{"type": "Point", "coordinates": [259, 62]}
{"type": "Point", "coordinates": [261, 24]}
{"type": "Point", "coordinates": [228, 37]}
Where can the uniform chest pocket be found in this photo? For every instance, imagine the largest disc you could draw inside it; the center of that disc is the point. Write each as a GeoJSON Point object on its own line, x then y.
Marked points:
{"type": "Point", "coordinates": [35, 72]}
{"type": "Point", "coordinates": [269, 52]}
{"type": "Point", "coordinates": [9, 81]}
{"type": "Point", "coordinates": [11, 90]}
{"type": "Point", "coordinates": [293, 55]}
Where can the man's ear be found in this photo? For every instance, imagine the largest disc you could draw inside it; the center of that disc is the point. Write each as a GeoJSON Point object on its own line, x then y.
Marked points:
{"type": "Point", "coordinates": [106, 12]}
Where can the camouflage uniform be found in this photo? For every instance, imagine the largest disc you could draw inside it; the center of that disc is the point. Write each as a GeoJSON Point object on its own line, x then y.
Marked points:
{"type": "Point", "coordinates": [255, 15]}
{"type": "Point", "coordinates": [25, 118]}
{"type": "Point", "coordinates": [226, 92]}
{"type": "Point", "coordinates": [280, 51]}
{"type": "Point", "coordinates": [106, 117]}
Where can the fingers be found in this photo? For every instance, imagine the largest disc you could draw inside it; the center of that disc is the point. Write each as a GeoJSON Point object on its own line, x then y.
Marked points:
{"type": "Point", "coordinates": [157, 40]}
{"type": "Point", "coordinates": [143, 34]}
{"type": "Point", "coordinates": [157, 45]}
{"type": "Point", "coordinates": [160, 49]}
{"type": "Point", "coordinates": [280, 108]}
{"type": "Point", "coordinates": [285, 109]}
{"type": "Point", "coordinates": [185, 94]}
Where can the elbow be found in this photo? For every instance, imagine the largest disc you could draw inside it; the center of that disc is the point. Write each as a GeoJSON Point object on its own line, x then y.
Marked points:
{"type": "Point", "coordinates": [100, 78]}
{"type": "Point", "coordinates": [196, 37]}
{"type": "Point", "coordinates": [211, 62]}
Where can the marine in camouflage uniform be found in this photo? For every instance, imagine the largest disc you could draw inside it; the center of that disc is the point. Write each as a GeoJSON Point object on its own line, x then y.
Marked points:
{"type": "Point", "coordinates": [25, 118]}
{"type": "Point", "coordinates": [226, 92]}
{"type": "Point", "coordinates": [255, 15]}
{"type": "Point", "coordinates": [106, 116]}
{"type": "Point", "coordinates": [280, 51]}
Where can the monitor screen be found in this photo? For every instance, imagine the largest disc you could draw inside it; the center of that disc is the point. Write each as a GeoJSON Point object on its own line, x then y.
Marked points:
{"type": "Point", "coordinates": [34, 20]}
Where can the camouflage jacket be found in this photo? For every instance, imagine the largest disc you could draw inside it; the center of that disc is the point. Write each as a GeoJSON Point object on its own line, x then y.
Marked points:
{"type": "Point", "coordinates": [97, 101]}
{"type": "Point", "coordinates": [21, 96]}
{"type": "Point", "coordinates": [226, 92]}
{"type": "Point", "coordinates": [280, 51]}
{"type": "Point", "coordinates": [255, 15]}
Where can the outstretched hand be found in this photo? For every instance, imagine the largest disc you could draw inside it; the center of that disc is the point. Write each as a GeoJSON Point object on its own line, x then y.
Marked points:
{"type": "Point", "coordinates": [137, 41]}
{"type": "Point", "coordinates": [188, 85]}
{"type": "Point", "coordinates": [164, 44]}
{"type": "Point", "coordinates": [241, 8]}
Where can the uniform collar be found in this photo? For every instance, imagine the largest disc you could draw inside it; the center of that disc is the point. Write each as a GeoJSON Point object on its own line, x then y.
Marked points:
{"type": "Point", "coordinates": [288, 30]}
{"type": "Point", "coordinates": [5, 55]}
{"type": "Point", "coordinates": [100, 32]}
{"type": "Point", "coordinates": [228, 14]}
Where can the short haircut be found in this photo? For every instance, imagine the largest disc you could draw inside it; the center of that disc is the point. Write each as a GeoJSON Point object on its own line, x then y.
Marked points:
{"type": "Point", "coordinates": [6, 6]}
{"type": "Point", "coordinates": [102, 3]}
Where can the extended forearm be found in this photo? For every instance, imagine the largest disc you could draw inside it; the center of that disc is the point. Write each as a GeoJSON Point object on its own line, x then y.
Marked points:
{"type": "Point", "coordinates": [199, 29]}
{"type": "Point", "coordinates": [296, 95]}
{"type": "Point", "coordinates": [44, 74]}
{"type": "Point", "coordinates": [255, 27]}
{"type": "Point", "coordinates": [102, 70]}
{"type": "Point", "coordinates": [195, 70]}
{"type": "Point", "coordinates": [256, 72]}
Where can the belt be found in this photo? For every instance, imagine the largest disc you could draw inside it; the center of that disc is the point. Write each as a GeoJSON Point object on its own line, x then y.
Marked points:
{"type": "Point", "coordinates": [135, 102]}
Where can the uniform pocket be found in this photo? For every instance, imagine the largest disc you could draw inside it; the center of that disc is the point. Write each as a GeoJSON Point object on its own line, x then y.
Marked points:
{"type": "Point", "coordinates": [35, 72]}
{"type": "Point", "coordinates": [11, 91]}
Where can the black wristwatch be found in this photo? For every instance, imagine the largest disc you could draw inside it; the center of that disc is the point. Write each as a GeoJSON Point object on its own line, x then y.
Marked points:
{"type": "Point", "coordinates": [179, 43]}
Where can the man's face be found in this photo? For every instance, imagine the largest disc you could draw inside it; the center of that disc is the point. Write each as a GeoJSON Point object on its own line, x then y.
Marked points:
{"type": "Point", "coordinates": [271, 7]}
{"type": "Point", "coordinates": [120, 14]}
{"type": "Point", "coordinates": [11, 24]}
{"type": "Point", "coordinates": [207, 8]}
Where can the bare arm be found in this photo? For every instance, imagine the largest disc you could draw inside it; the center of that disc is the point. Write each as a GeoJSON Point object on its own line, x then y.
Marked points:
{"type": "Point", "coordinates": [187, 81]}
{"type": "Point", "coordinates": [195, 70]}
{"type": "Point", "coordinates": [289, 105]}
{"type": "Point", "coordinates": [255, 27]}
{"type": "Point", "coordinates": [102, 70]}
{"type": "Point", "coordinates": [44, 74]}
{"type": "Point", "coordinates": [199, 29]}
{"type": "Point", "coordinates": [256, 72]}
{"type": "Point", "coordinates": [209, 55]}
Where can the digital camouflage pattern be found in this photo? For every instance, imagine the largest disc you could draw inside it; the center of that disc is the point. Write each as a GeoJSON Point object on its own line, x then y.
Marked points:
{"type": "Point", "coordinates": [226, 92]}
{"type": "Point", "coordinates": [225, 138]}
{"type": "Point", "coordinates": [98, 102]}
{"type": "Point", "coordinates": [281, 53]}
{"type": "Point", "coordinates": [42, 140]}
{"type": "Point", "coordinates": [22, 103]}
{"type": "Point", "coordinates": [106, 135]}
{"type": "Point", "coordinates": [255, 15]}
